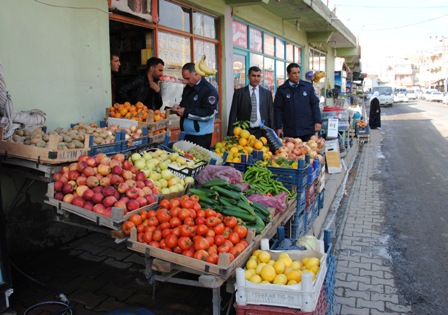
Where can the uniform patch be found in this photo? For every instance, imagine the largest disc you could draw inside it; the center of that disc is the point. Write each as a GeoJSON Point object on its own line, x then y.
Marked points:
{"type": "Point", "coordinates": [288, 95]}
{"type": "Point", "coordinates": [304, 93]}
{"type": "Point", "coordinates": [212, 100]}
{"type": "Point", "coordinates": [195, 98]}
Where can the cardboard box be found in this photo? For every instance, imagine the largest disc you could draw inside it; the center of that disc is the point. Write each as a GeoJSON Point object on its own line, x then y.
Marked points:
{"type": "Point", "coordinates": [332, 156]}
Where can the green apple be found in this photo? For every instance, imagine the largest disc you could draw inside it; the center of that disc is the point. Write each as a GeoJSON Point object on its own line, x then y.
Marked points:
{"type": "Point", "coordinates": [136, 156]}
{"type": "Point", "coordinates": [189, 180]}
{"type": "Point", "coordinates": [181, 160]}
{"type": "Point", "coordinates": [163, 182]}
{"type": "Point", "coordinates": [150, 165]}
{"type": "Point", "coordinates": [163, 165]}
{"type": "Point", "coordinates": [174, 189]}
{"type": "Point", "coordinates": [165, 191]}
{"type": "Point", "coordinates": [164, 156]}
{"type": "Point", "coordinates": [155, 176]}
{"type": "Point", "coordinates": [140, 163]}
{"type": "Point", "coordinates": [174, 156]}
{"type": "Point", "coordinates": [147, 156]}
{"type": "Point", "coordinates": [167, 174]}
{"type": "Point", "coordinates": [180, 187]}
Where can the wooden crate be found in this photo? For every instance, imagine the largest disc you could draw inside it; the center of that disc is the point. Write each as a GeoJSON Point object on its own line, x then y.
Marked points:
{"type": "Point", "coordinates": [49, 155]}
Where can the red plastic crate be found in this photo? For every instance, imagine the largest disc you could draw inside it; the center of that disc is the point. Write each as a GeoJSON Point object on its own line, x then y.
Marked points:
{"type": "Point", "coordinates": [320, 309]}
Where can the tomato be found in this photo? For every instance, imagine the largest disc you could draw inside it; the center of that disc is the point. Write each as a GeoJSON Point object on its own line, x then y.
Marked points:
{"type": "Point", "coordinates": [162, 243]}
{"type": "Point", "coordinates": [200, 213]}
{"type": "Point", "coordinates": [219, 228]}
{"type": "Point", "coordinates": [210, 213]}
{"type": "Point", "coordinates": [148, 237]}
{"type": "Point", "coordinates": [151, 213]}
{"type": "Point", "coordinates": [153, 221]}
{"type": "Point", "coordinates": [212, 221]}
{"type": "Point", "coordinates": [136, 219]}
{"type": "Point", "coordinates": [171, 240]}
{"type": "Point", "coordinates": [163, 215]}
{"type": "Point", "coordinates": [234, 237]}
{"type": "Point", "coordinates": [189, 252]}
{"type": "Point", "coordinates": [229, 243]}
{"type": "Point", "coordinates": [186, 204]}
{"type": "Point", "coordinates": [210, 240]}
{"type": "Point", "coordinates": [201, 229]}
{"type": "Point", "coordinates": [212, 249]}
{"type": "Point", "coordinates": [157, 235]}
{"type": "Point", "coordinates": [164, 204]}
{"type": "Point", "coordinates": [127, 226]}
{"type": "Point", "coordinates": [184, 213]}
{"type": "Point", "coordinates": [219, 239]}
{"type": "Point", "coordinates": [201, 243]}
{"type": "Point", "coordinates": [163, 226]}
{"type": "Point", "coordinates": [226, 233]}
{"type": "Point", "coordinates": [197, 206]}
{"type": "Point", "coordinates": [166, 248]}
{"type": "Point", "coordinates": [223, 248]}
{"type": "Point", "coordinates": [174, 221]}
{"type": "Point", "coordinates": [155, 244]}
{"type": "Point", "coordinates": [193, 213]}
{"type": "Point", "coordinates": [175, 202]}
{"type": "Point", "coordinates": [200, 254]}
{"type": "Point", "coordinates": [166, 232]}
{"type": "Point", "coordinates": [231, 257]}
{"type": "Point", "coordinates": [140, 228]}
{"type": "Point", "coordinates": [176, 231]}
{"type": "Point", "coordinates": [184, 242]}
{"type": "Point", "coordinates": [186, 230]}
{"type": "Point", "coordinates": [230, 221]}
{"type": "Point", "coordinates": [150, 228]}
{"type": "Point", "coordinates": [177, 250]}
{"type": "Point", "coordinates": [219, 216]}
{"type": "Point", "coordinates": [211, 233]}
{"type": "Point", "coordinates": [212, 258]}
{"type": "Point", "coordinates": [189, 221]}
{"type": "Point", "coordinates": [199, 220]}
{"type": "Point", "coordinates": [144, 215]}
{"type": "Point", "coordinates": [235, 251]}
{"type": "Point", "coordinates": [174, 211]}
{"type": "Point", "coordinates": [243, 243]}
{"type": "Point", "coordinates": [141, 237]}
{"type": "Point", "coordinates": [184, 197]}
{"type": "Point", "coordinates": [194, 198]}
{"type": "Point", "coordinates": [241, 230]}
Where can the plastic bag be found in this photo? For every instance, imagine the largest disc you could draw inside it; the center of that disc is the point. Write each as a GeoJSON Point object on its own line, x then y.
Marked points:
{"type": "Point", "coordinates": [227, 173]}
{"type": "Point", "coordinates": [277, 202]}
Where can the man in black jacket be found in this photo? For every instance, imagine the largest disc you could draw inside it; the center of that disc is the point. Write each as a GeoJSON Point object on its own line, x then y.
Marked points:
{"type": "Point", "coordinates": [242, 101]}
{"type": "Point", "coordinates": [145, 88]}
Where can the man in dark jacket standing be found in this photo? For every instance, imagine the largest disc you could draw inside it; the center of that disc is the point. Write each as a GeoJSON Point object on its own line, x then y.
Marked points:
{"type": "Point", "coordinates": [296, 107]}
{"type": "Point", "coordinates": [145, 88]}
{"type": "Point", "coordinates": [242, 101]}
{"type": "Point", "coordinates": [198, 107]}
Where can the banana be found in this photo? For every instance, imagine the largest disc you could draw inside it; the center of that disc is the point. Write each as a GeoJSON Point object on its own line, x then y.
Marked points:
{"type": "Point", "coordinates": [206, 69]}
{"type": "Point", "coordinates": [198, 69]}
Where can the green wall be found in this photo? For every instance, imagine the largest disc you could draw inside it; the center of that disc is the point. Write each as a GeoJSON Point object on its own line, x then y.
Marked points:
{"type": "Point", "coordinates": [56, 58]}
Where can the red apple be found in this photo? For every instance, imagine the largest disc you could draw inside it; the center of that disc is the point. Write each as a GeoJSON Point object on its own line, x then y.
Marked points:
{"type": "Point", "coordinates": [127, 165]}
{"type": "Point", "coordinates": [133, 205]}
{"type": "Point", "coordinates": [91, 161]}
{"type": "Point", "coordinates": [142, 201]}
{"type": "Point", "coordinates": [150, 199]}
{"type": "Point", "coordinates": [122, 187]}
{"type": "Point", "coordinates": [58, 185]}
{"type": "Point", "coordinates": [149, 183]}
{"type": "Point", "coordinates": [109, 201]}
{"type": "Point", "coordinates": [97, 198]}
{"type": "Point", "coordinates": [121, 204]}
{"type": "Point", "coordinates": [105, 160]}
{"type": "Point", "coordinates": [88, 205]}
{"type": "Point", "coordinates": [83, 157]}
{"type": "Point", "coordinates": [107, 212]}
{"type": "Point", "coordinates": [67, 188]}
{"type": "Point", "coordinates": [140, 175]}
{"type": "Point", "coordinates": [140, 192]}
{"type": "Point", "coordinates": [105, 181]}
{"type": "Point", "coordinates": [147, 190]}
{"type": "Point", "coordinates": [64, 178]}
{"type": "Point", "coordinates": [140, 184]}
{"type": "Point", "coordinates": [68, 198]}
{"type": "Point", "coordinates": [115, 180]}
{"type": "Point", "coordinates": [117, 170]}
{"type": "Point", "coordinates": [92, 181]}
{"type": "Point", "coordinates": [117, 194]}
{"type": "Point", "coordinates": [134, 169]}
{"type": "Point", "coordinates": [99, 156]}
{"type": "Point", "coordinates": [131, 182]}
{"type": "Point", "coordinates": [132, 193]}
{"type": "Point", "coordinates": [73, 175]}
{"type": "Point", "coordinates": [99, 176]}
{"type": "Point", "coordinates": [59, 195]}
{"type": "Point", "coordinates": [127, 174]}
{"type": "Point", "coordinates": [73, 166]}
{"type": "Point", "coordinates": [57, 176]}
{"type": "Point", "coordinates": [98, 208]}
{"type": "Point", "coordinates": [88, 194]}
{"type": "Point", "coordinates": [104, 169]}
{"type": "Point", "coordinates": [65, 169]}
{"type": "Point", "coordinates": [114, 163]}
{"type": "Point", "coordinates": [155, 191]}
{"type": "Point", "coordinates": [81, 166]}
{"type": "Point", "coordinates": [109, 191]}
{"type": "Point", "coordinates": [78, 201]}
{"type": "Point", "coordinates": [98, 189]}
{"type": "Point", "coordinates": [89, 171]}
{"type": "Point", "coordinates": [125, 199]}
{"type": "Point", "coordinates": [81, 180]}
{"type": "Point", "coordinates": [118, 157]}
{"type": "Point", "coordinates": [81, 189]}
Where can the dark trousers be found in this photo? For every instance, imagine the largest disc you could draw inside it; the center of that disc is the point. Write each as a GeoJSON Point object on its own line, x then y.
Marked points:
{"type": "Point", "coordinates": [204, 141]}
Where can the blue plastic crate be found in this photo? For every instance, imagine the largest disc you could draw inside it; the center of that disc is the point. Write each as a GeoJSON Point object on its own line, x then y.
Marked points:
{"type": "Point", "coordinates": [292, 178]}
{"type": "Point", "coordinates": [313, 171]}
{"type": "Point", "coordinates": [298, 226]}
{"type": "Point", "coordinates": [108, 149]}
{"type": "Point", "coordinates": [321, 198]}
{"type": "Point", "coordinates": [133, 144]}
{"type": "Point", "coordinates": [364, 131]}
{"type": "Point", "coordinates": [301, 203]}
{"type": "Point", "coordinates": [329, 284]}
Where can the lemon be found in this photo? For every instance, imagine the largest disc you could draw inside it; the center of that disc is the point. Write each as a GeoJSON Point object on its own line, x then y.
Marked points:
{"type": "Point", "coordinates": [268, 273]}
{"type": "Point", "coordinates": [255, 278]}
{"type": "Point", "coordinates": [286, 260]}
{"type": "Point", "coordinates": [292, 282]}
{"type": "Point", "coordinates": [252, 138]}
{"type": "Point", "coordinates": [296, 265]}
{"type": "Point", "coordinates": [237, 131]}
{"type": "Point", "coordinates": [258, 145]}
{"type": "Point", "coordinates": [279, 267]}
{"type": "Point", "coordinates": [314, 269]}
{"type": "Point", "coordinates": [280, 279]}
{"type": "Point", "coordinates": [271, 262]}
{"type": "Point", "coordinates": [259, 268]}
{"type": "Point", "coordinates": [256, 252]}
{"type": "Point", "coordinates": [253, 257]}
{"type": "Point", "coordinates": [265, 282]}
{"type": "Point", "coordinates": [313, 261]}
{"type": "Point", "coordinates": [283, 255]}
{"type": "Point", "coordinates": [218, 145]}
{"type": "Point", "coordinates": [249, 273]}
{"type": "Point", "coordinates": [294, 275]}
{"type": "Point", "coordinates": [244, 134]}
{"type": "Point", "coordinates": [234, 150]}
{"type": "Point", "coordinates": [242, 142]}
{"type": "Point", "coordinates": [287, 270]}
{"type": "Point", "coordinates": [304, 260]}
{"type": "Point", "coordinates": [251, 264]}
{"type": "Point", "coordinates": [264, 257]}
{"type": "Point", "coordinates": [264, 140]}
{"type": "Point", "coordinates": [236, 160]}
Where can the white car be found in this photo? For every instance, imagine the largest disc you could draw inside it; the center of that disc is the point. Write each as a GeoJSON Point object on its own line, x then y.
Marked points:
{"type": "Point", "coordinates": [400, 95]}
{"type": "Point", "coordinates": [445, 98]}
{"type": "Point", "coordinates": [435, 97]}
{"type": "Point", "coordinates": [411, 95]}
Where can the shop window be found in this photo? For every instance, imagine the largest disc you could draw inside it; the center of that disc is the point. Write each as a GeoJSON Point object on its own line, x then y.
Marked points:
{"type": "Point", "coordinates": [289, 52]}
{"type": "Point", "coordinates": [279, 48]}
{"type": "Point", "coordinates": [256, 60]}
{"type": "Point", "coordinates": [280, 73]}
{"type": "Point", "coordinates": [205, 25]}
{"type": "Point", "coordinates": [256, 40]}
{"type": "Point", "coordinates": [297, 55]}
{"type": "Point", "coordinates": [174, 49]}
{"type": "Point", "coordinates": [239, 71]}
{"type": "Point", "coordinates": [174, 16]}
{"type": "Point", "coordinates": [268, 74]}
{"type": "Point", "coordinates": [239, 34]}
{"type": "Point", "coordinates": [269, 44]}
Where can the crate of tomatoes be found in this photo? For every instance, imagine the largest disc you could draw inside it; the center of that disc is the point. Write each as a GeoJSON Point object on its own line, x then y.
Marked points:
{"type": "Point", "coordinates": [180, 232]}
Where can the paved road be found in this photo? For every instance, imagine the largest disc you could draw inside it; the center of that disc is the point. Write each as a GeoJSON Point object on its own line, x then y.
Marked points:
{"type": "Point", "coordinates": [414, 179]}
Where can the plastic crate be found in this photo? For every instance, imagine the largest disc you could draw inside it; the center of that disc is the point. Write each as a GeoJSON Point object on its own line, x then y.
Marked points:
{"type": "Point", "coordinates": [321, 198]}
{"type": "Point", "coordinates": [313, 171]}
{"type": "Point", "coordinates": [310, 195]}
{"type": "Point", "coordinates": [320, 309]}
{"type": "Point", "coordinates": [363, 131]}
{"type": "Point", "coordinates": [159, 138]}
{"type": "Point", "coordinates": [108, 149]}
{"type": "Point", "coordinates": [132, 144]}
{"type": "Point", "coordinates": [294, 179]}
{"type": "Point", "coordinates": [329, 284]}
{"type": "Point", "coordinates": [188, 171]}
{"type": "Point", "coordinates": [301, 202]}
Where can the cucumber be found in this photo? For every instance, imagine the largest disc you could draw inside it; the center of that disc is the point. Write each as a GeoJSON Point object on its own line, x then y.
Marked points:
{"type": "Point", "coordinates": [260, 208]}
{"type": "Point", "coordinates": [246, 206]}
{"type": "Point", "coordinates": [225, 201]}
{"type": "Point", "coordinates": [235, 188]}
{"type": "Point", "coordinates": [215, 182]}
{"type": "Point", "coordinates": [246, 217]}
{"type": "Point", "coordinates": [227, 193]}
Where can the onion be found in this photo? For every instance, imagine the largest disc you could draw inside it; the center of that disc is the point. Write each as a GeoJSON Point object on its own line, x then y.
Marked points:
{"type": "Point", "coordinates": [133, 128]}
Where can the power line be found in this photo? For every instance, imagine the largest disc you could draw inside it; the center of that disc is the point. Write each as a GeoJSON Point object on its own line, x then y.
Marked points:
{"type": "Point", "coordinates": [406, 25]}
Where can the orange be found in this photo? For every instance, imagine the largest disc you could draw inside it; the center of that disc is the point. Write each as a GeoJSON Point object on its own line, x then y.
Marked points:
{"type": "Point", "coordinates": [264, 140]}
{"type": "Point", "coordinates": [258, 145]}
{"type": "Point", "coordinates": [242, 142]}
{"type": "Point", "coordinates": [237, 131]}
{"type": "Point", "coordinates": [244, 134]}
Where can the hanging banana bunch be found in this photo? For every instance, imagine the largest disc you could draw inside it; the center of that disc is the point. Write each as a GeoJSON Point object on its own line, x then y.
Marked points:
{"type": "Point", "coordinates": [202, 69]}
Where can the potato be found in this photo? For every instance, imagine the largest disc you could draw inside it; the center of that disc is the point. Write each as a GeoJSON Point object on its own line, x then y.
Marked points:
{"type": "Point", "coordinates": [67, 138]}
{"type": "Point", "coordinates": [98, 140]}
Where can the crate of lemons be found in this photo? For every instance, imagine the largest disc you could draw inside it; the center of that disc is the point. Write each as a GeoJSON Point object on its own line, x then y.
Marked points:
{"type": "Point", "coordinates": [284, 270]}
{"type": "Point", "coordinates": [242, 143]}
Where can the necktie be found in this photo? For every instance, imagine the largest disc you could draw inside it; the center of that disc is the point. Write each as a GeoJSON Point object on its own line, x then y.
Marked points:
{"type": "Point", "coordinates": [253, 101]}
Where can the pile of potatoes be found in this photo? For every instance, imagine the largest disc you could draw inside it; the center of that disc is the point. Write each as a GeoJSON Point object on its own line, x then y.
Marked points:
{"type": "Point", "coordinates": [72, 138]}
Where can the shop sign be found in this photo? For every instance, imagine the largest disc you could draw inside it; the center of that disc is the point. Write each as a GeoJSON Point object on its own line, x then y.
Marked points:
{"type": "Point", "coordinates": [139, 8]}
{"type": "Point", "coordinates": [239, 34]}
{"type": "Point", "coordinates": [256, 42]}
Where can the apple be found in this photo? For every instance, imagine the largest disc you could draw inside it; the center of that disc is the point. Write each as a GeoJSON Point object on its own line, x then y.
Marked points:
{"type": "Point", "coordinates": [174, 156]}
{"type": "Point", "coordinates": [58, 185]}
{"type": "Point", "coordinates": [140, 164]}
{"type": "Point", "coordinates": [104, 169]}
{"type": "Point", "coordinates": [165, 191]}
{"type": "Point", "coordinates": [142, 201]}
{"type": "Point", "coordinates": [127, 165]}
{"type": "Point", "coordinates": [133, 205]}
{"type": "Point", "coordinates": [59, 195]}
{"type": "Point", "coordinates": [97, 197]}
{"type": "Point", "coordinates": [98, 189]}
{"type": "Point", "coordinates": [73, 175]}
{"type": "Point", "coordinates": [105, 181]}
{"type": "Point", "coordinates": [136, 156]}
{"type": "Point", "coordinates": [88, 205]}
{"type": "Point", "coordinates": [99, 156]}
{"type": "Point", "coordinates": [172, 181]}
{"type": "Point", "coordinates": [118, 157]}
{"type": "Point", "coordinates": [99, 176]}
{"type": "Point", "coordinates": [81, 189]}
{"type": "Point", "coordinates": [163, 183]}
{"type": "Point", "coordinates": [164, 156]}
{"type": "Point", "coordinates": [65, 170]}
{"type": "Point", "coordinates": [114, 163]}
{"type": "Point", "coordinates": [140, 176]}
{"type": "Point", "coordinates": [83, 157]}
{"type": "Point", "coordinates": [134, 169]}
{"type": "Point", "coordinates": [127, 174]}
{"type": "Point", "coordinates": [81, 180]}
{"type": "Point", "coordinates": [98, 208]}
{"type": "Point", "coordinates": [78, 201]}
{"type": "Point", "coordinates": [147, 190]}
{"type": "Point", "coordinates": [73, 166]}
{"type": "Point", "coordinates": [80, 166]}
{"type": "Point", "coordinates": [131, 182]}
{"type": "Point", "coordinates": [57, 176]}
{"type": "Point", "coordinates": [132, 193]}
{"type": "Point", "coordinates": [88, 171]}
{"type": "Point", "coordinates": [189, 180]}
{"type": "Point", "coordinates": [92, 181]}
{"type": "Point", "coordinates": [108, 191]}
{"type": "Point", "coordinates": [115, 180]}
{"type": "Point", "coordinates": [121, 204]}
{"type": "Point", "coordinates": [140, 191]}
{"type": "Point", "coordinates": [167, 174]}
{"type": "Point", "coordinates": [117, 169]}
{"type": "Point", "coordinates": [117, 194]}
{"type": "Point", "coordinates": [91, 161]}
{"type": "Point", "coordinates": [109, 201]}
{"type": "Point", "coordinates": [147, 171]}
{"type": "Point", "coordinates": [139, 184]}
{"type": "Point", "coordinates": [124, 199]}
{"type": "Point", "coordinates": [157, 185]}
{"type": "Point", "coordinates": [67, 188]}
{"type": "Point", "coordinates": [150, 199]}
{"type": "Point", "coordinates": [107, 212]}
{"type": "Point", "coordinates": [174, 189]}
{"type": "Point", "coordinates": [163, 165]}
{"type": "Point", "coordinates": [88, 194]}
{"type": "Point", "coordinates": [156, 191]}
{"type": "Point", "coordinates": [149, 183]}
{"type": "Point", "coordinates": [122, 188]}
{"type": "Point", "coordinates": [150, 165]}
{"type": "Point", "coordinates": [155, 176]}
{"type": "Point", "coordinates": [64, 178]}
{"type": "Point", "coordinates": [68, 198]}
{"type": "Point", "coordinates": [147, 156]}
{"type": "Point", "coordinates": [105, 160]}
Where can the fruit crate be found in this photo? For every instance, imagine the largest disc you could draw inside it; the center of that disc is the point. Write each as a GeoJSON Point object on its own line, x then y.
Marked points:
{"type": "Point", "coordinates": [186, 171]}
{"type": "Point", "coordinates": [159, 138]}
{"type": "Point", "coordinates": [320, 309]}
{"type": "Point", "coordinates": [310, 195]}
{"type": "Point", "coordinates": [50, 155]}
{"type": "Point", "coordinates": [294, 179]}
{"type": "Point", "coordinates": [108, 149]}
{"type": "Point", "coordinates": [362, 131]}
{"type": "Point", "coordinates": [133, 144]}
{"type": "Point", "coordinates": [313, 171]}
{"type": "Point", "coordinates": [298, 225]}
{"type": "Point", "coordinates": [321, 198]}
{"type": "Point", "coordinates": [152, 127]}
{"type": "Point", "coordinates": [303, 296]}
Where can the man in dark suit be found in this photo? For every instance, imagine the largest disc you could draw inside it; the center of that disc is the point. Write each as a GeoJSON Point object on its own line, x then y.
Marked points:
{"type": "Point", "coordinates": [243, 110]}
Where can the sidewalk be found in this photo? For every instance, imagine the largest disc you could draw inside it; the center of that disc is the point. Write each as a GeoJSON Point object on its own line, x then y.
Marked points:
{"type": "Point", "coordinates": [364, 280]}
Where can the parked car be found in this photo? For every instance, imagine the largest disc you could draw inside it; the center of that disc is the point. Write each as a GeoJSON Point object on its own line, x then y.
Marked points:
{"type": "Point", "coordinates": [426, 94]}
{"type": "Point", "coordinates": [386, 96]}
{"type": "Point", "coordinates": [400, 95]}
{"type": "Point", "coordinates": [411, 94]}
{"type": "Point", "coordinates": [445, 98]}
{"type": "Point", "coordinates": [435, 96]}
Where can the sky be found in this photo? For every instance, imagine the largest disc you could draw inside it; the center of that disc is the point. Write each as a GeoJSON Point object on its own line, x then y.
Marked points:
{"type": "Point", "coordinates": [392, 28]}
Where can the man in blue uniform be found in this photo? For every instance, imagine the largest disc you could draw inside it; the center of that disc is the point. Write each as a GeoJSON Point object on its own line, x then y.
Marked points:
{"type": "Point", "coordinates": [197, 108]}
{"type": "Point", "coordinates": [296, 107]}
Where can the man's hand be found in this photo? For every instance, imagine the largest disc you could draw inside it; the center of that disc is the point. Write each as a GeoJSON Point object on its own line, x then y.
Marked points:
{"type": "Point", "coordinates": [153, 85]}
{"type": "Point", "coordinates": [280, 133]}
{"type": "Point", "coordinates": [179, 110]}
{"type": "Point", "coordinates": [317, 127]}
